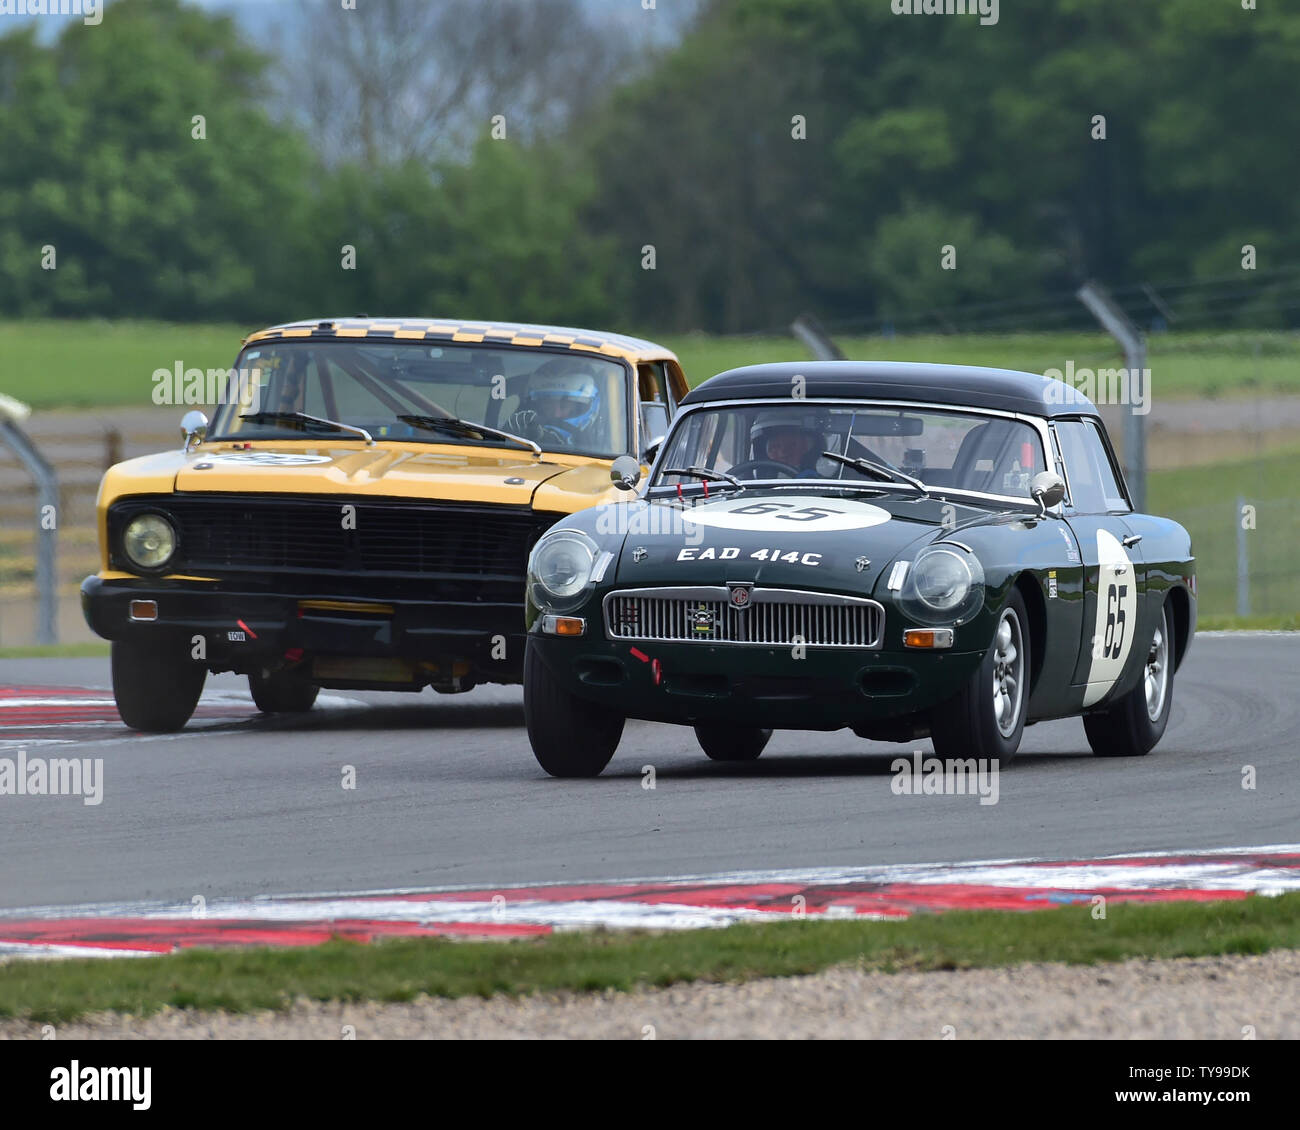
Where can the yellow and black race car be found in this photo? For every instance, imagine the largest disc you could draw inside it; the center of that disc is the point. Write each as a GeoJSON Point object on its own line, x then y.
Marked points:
{"type": "Point", "coordinates": [360, 510]}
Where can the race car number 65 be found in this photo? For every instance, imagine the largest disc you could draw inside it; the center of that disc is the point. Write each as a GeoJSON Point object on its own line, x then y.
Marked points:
{"type": "Point", "coordinates": [800, 514]}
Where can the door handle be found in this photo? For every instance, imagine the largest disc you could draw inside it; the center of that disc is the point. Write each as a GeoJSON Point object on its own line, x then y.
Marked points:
{"type": "Point", "coordinates": [1132, 540]}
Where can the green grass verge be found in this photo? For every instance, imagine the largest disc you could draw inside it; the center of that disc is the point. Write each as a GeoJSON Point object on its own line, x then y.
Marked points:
{"type": "Point", "coordinates": [98, 364]}
{"type": "Point", "coordinates": [78, 364]}
{"type": "Point", "coordinates": [1248, 623]}
{"type": "Point", "coordinates": [1182, 365]}
{"type": "Point", "coordinates": [400, 970]}
{"type": "Point", "coordinates": [1204, 499]}
{"type": "Point", "coordinates": [91, 650]}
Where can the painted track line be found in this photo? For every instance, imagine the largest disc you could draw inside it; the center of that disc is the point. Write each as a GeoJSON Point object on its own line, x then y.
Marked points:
{"type": "Point", "coordinates": [880, 893]}
{"type": "Point", "coordinates": [43, 715]}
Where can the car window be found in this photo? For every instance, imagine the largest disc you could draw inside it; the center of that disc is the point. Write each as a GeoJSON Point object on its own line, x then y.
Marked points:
{"type": "Point", "coordinates": [563, 401]}
{"type": "Point", "coordinates": [1094, 488]}
{"type": "Point", "coordinates": [650, 381]}
{"type": "Point", "coordinates": [654, 421]}
{"type": "Point", "coordinates": [988, 454]}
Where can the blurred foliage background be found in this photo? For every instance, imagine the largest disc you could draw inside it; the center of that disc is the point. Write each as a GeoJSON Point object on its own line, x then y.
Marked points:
{"type": "Point", "coordinates": [374, 129]}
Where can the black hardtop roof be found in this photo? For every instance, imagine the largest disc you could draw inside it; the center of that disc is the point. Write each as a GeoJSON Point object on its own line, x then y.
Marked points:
{"type": "Point", "coordinates": [952, 385]}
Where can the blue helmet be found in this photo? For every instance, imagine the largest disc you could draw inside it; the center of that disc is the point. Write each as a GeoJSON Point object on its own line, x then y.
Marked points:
{"type": "Point", "coordinates": [564, 394]}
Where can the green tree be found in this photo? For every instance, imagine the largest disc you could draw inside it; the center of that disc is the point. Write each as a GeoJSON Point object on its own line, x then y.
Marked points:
{"type": "Point", "coordinates": [104, 162]}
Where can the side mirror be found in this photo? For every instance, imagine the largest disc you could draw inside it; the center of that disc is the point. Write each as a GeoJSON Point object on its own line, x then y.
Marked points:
{"type": "Point", "coordinates": [625, 473]}
{"type": "Point", "coordinates": [1047, 488]}
{"type": "Point", "coordinates": [652, 449]}
{"type": "Point", "coordinates": [194, 428]}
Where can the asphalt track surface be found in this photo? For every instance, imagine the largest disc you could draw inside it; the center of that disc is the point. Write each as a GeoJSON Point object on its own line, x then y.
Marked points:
{"type": "Point", "coordinates": [447, 793]}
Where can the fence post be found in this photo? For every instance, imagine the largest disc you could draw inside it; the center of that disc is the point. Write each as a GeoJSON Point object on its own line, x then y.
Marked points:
{"type": "Point", "coordinates": [809, 330]}
{"type": "Point", "coordinates": [1107, 311]}
{"type": "Point", "coordinates": [1243, 560]}
{"type": "Point", "coordinates": [12, 413]}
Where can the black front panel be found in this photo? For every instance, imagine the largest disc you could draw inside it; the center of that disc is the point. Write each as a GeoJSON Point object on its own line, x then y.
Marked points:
{"type": "Point", "coordinates": [221, 535]}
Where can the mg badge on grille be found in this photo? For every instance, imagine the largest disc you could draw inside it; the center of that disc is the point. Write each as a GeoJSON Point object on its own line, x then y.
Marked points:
{"type": "Point", "coordinates": [739, 595]}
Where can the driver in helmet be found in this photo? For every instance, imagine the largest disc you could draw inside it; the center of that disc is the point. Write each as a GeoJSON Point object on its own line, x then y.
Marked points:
{"type": "Point", "coordinates": [794, 439]}
{"type": "Point", "coordinates": [561, 403]}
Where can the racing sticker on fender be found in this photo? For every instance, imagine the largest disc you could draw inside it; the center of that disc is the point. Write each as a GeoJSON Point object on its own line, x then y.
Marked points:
{"type": "Point", "coordinates": [1112, 633]}
{"type": "Point", "coordinates": [788, 513]}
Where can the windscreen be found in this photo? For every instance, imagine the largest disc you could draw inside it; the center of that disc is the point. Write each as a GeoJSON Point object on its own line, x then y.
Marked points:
{"type": "Point", "coordinates": [563, 401]}
{"type": "Point", "coordinates": [966, 451]}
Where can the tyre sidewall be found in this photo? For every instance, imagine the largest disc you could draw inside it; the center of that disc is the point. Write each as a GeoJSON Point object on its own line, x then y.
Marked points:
{"type": "Point", "coordinates": [570, 737]}
{"type": "Point", "coordinates": [155, 688]}
{"type": "Point", "coordinates": [966, 726]}
{"type": "Point", "coordinates": [994, 743]}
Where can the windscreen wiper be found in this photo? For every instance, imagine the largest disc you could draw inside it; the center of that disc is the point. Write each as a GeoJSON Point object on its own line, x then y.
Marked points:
{"type": "Point", "coordinates": [467, 429]}
{"type": "Point", "coordinates": [301, 418]}
{"type": "Point", "coordinates": [705, 474]}
{"type": "Point", "coordinates": [878, 471]}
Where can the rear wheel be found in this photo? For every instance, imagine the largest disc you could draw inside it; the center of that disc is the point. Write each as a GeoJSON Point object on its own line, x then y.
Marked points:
{"type": "Point", "coordinates": [986, 718]}
{"type": "Point", "coordinates": [282, 692]}
{"type": "Point", "coordinates": [732, 743]}
{"type": "Point", "coordinates": [570, 736]}
{"type": "Point", "coordinates": [1133, 724]}
{"type": "Point", "coordinates": [155, 687]}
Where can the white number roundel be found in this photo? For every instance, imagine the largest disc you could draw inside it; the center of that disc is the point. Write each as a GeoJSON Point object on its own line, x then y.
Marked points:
{"type": "Point", "coordinates": [268, 458]}
{"type": "Point", "coordinates": [786, 512]}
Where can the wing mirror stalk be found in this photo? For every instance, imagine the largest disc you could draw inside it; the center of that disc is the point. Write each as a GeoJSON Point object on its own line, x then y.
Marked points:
{"type": "Point", "coordinates": [1047, 489]}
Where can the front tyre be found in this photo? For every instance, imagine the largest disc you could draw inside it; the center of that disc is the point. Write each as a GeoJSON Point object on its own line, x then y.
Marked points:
{"type": "Point", "coordinates": [282, 692]}
{"type": "Point", "coordinates": [1131, 726]}
{"type": "Point", "coordinates": [986, 718]}
{"type": "Point", "coordinates": [156, 688]}
{"type": "Point", "coordinates": [732, 743]}
{"type": "Point", "coordinates": [570, 736]}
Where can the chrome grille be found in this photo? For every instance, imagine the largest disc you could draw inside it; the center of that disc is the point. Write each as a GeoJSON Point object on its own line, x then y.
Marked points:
{"type": "Point", "coordinates": [772, 617]}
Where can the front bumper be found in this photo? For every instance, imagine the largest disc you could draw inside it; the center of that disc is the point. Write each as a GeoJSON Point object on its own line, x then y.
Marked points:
{"type": "Point", "coordinates": [825, 689]}
{"type": "Point", "coordinates": [244, 629]}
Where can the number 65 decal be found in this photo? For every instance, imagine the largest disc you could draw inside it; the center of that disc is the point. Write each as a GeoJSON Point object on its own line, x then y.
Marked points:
{"type": "Point", "coordinates": [788, 512]}
{"type": "Point", "coordinates": [1110, 646]}
{"type": "Point", "coordinates": [1112, 634]}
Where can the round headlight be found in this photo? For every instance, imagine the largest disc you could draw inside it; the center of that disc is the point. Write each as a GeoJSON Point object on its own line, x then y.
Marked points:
{"type": "Point", "coordinates": [561, 565]}
{"type": "Point", "coordinates": [944, 586]}
{"type": "Point", "coordinates": [149, 541]}
{"type": "Point", "coordinates": [941, 579]}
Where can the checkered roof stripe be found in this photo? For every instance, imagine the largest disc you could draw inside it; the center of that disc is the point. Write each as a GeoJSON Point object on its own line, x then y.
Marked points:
{"type": "Point", "coordinates": [489, 333]}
